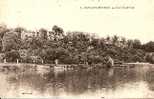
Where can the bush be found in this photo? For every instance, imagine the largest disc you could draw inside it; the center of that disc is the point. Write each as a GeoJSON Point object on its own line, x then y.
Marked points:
{"type": "Point", "coordinates": [12, 56]}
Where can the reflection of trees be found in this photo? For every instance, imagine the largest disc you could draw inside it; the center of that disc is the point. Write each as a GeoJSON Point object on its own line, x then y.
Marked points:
{"type": "Point", "coordinates": [76, 82]}
{"type": "Point", "coordinates": [31, 79]}
{"type": "Point", "coordinates": [150, 79]}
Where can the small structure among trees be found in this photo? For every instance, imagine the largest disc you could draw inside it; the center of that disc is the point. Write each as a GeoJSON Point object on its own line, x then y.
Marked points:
{"type": "Point", "coordinates": [110, 62]}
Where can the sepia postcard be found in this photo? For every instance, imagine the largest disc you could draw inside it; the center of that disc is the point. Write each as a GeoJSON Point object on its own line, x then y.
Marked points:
{"type": "Point", "coordinates": [76, 49]}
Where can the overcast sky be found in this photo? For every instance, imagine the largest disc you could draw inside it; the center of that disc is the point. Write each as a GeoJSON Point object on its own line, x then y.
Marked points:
{"type": "Point", "coordinates": [131, 23]}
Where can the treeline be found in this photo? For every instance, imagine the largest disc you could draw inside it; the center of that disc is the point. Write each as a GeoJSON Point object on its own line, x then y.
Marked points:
{"type": "Point", "coordinates": [45, 46]}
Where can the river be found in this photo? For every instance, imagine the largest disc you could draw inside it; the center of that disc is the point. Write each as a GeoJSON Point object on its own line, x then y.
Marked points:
{"type": "Point", "coordinates": [137, 82]}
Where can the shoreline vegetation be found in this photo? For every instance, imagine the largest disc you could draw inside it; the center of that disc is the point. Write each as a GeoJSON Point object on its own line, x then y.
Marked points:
{"type": "Point", "coordinates": [58, 47]}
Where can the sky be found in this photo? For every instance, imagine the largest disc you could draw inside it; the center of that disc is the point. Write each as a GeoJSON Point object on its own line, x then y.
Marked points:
{"type": "Point", "coordinates": [134, 23]}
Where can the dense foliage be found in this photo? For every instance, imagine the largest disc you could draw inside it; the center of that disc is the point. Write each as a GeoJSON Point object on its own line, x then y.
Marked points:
{"type": "Point", "coordinates": [45, 46]}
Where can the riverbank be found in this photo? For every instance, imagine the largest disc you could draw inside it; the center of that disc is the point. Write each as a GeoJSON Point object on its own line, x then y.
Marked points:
{"type": "Point", "coordinates": [74, 65]}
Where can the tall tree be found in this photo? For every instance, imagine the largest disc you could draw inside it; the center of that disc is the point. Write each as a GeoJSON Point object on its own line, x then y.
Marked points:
{"type": "Point", "coordinates": [19, 30]}
{"type": "Point", "coordinates": [57, 32]}
{"type": "Point", "coordinates": [115, 39]}
{"type": "Point", "coordinates": [130, 43]}
{"type": "Point", "coordinates": [43, 34]}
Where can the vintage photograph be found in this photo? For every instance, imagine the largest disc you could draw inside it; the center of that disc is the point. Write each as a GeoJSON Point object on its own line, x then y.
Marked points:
{"type": "Point", "coordinates": [76, 49]}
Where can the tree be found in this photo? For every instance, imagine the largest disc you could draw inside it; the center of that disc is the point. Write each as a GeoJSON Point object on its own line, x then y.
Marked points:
{"type": "Point", "coordinates": [33, 43]}
{"type": "Point", "coordinates": [12, 55]}
{"type": "Point", "coordinates": [115, 39]}
{"type": "Point", "coordinates": [43, 54]}
{"type": "Point", "coordinates": [51, 54]}
{"type": "Point", "coordinates": [130, 43]}
{"type": "Point", "coordinates": [43, 34]}
{"type": "Point", "coordinates": [136, 44]}
{"type": "Point", "coordinates": [93, 57]}
{"type": "Point", "coordinates": [108, 38]}
{"type": "Point", "coordinates": [10, 41]}
{"type": "Point", "coordinates": [149, 47]}
{"type": "Point", "coordinates": [123, 40]}
{"type": "Point", "coordinates": [3, 30]}
{"type": "Point", "coordinates": [150, 57]}
{"type": "Point", "coordinates": [57, 32]}
{"type": "Point", "coordinates": [19, 30]}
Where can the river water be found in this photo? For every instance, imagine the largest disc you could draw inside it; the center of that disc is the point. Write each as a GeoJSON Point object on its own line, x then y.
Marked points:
{"type": "Point", "coordinates": [137, 82]}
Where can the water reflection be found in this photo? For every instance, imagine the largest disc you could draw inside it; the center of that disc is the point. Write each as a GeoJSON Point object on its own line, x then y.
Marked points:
{"type": "Point", "coordinates": [112, 82]}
